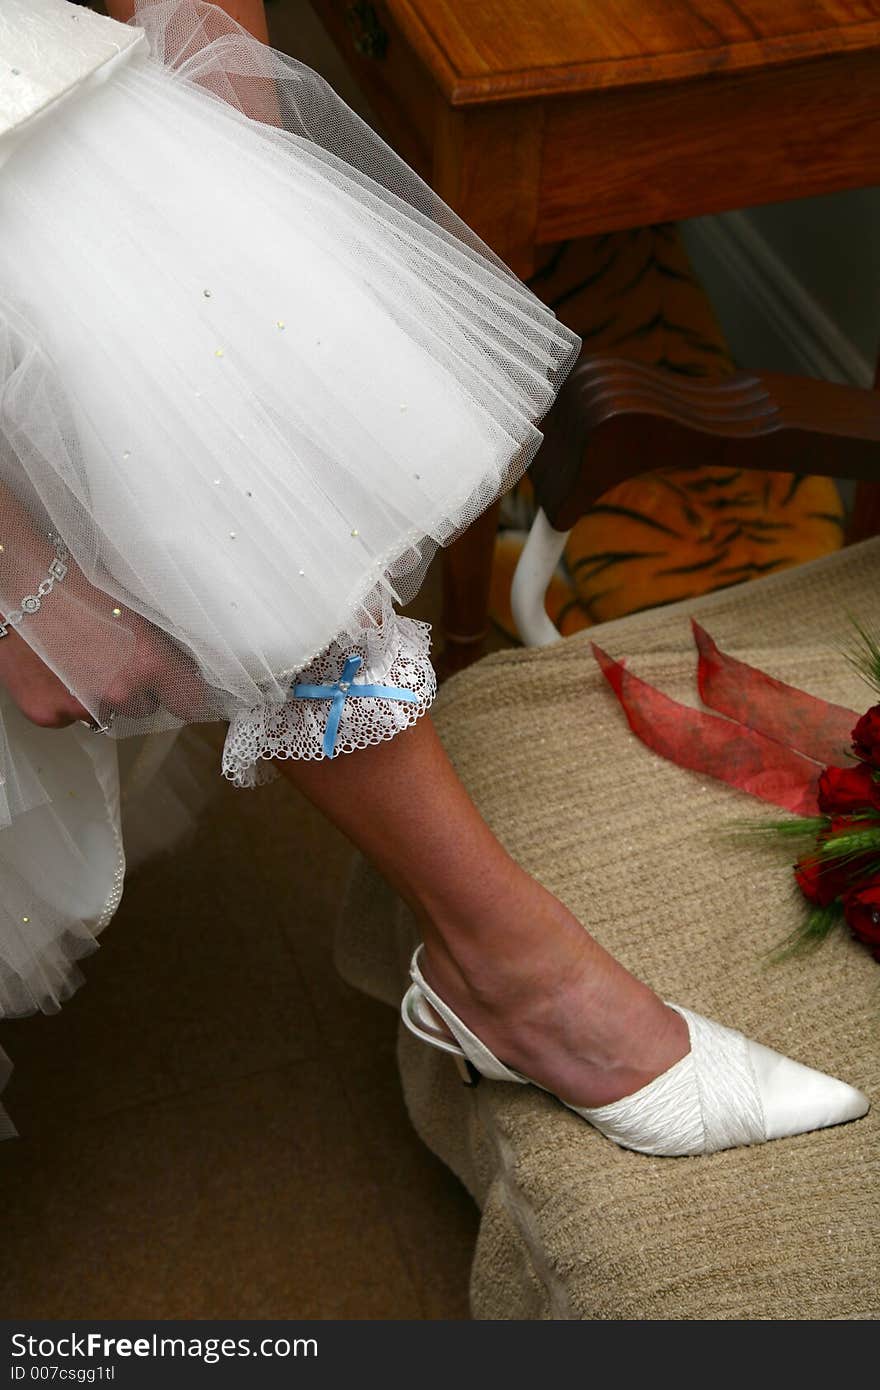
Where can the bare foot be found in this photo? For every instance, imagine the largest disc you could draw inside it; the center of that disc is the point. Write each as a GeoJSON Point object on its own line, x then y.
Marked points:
{"type": "Point", "coordinates": [553, 1004]}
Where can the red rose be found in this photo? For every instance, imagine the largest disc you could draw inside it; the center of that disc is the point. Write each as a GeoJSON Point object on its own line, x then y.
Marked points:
{"type": "Point", "coordinates": [820, 880]}
{"type": "Point", "coordinates": [845, 789]}
{"type": "Point", "coordinates": [862, 908]}
{"type": "Point", "coordinates": [866, 736]}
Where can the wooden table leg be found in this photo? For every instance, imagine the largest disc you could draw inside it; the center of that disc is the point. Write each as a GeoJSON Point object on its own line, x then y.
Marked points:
{"type": "Point", "coordinates": [486, 166]}
{"type": "Point", "coordinates": [467, 573]}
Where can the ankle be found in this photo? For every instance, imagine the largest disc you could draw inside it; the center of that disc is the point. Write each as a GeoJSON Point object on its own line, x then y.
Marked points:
{"type": "Point", "coordinates": [501, 930]}
{"type": "Point", "coordinates": [516, 975]}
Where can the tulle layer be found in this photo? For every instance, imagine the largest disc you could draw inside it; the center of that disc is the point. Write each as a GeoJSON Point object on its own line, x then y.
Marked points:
{"type": "Point", "coordinates": [253, 374]}
{"type": "Point", "coordinates": [62, 864]}
{"type": "Point", "coordinates": [61, 861]}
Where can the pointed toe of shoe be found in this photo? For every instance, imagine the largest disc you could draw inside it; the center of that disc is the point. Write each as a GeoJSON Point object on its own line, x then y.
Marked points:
{"type": "Point", "coordinates": [796, 1099]}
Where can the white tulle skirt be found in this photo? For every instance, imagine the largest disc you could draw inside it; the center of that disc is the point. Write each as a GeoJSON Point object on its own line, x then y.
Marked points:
{"type": "Point", "coordinates": [254, 374]}
{"type": "Point", "coordinates": [252, 371]}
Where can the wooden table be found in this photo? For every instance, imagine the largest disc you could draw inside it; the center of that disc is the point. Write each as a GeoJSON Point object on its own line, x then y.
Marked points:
{"type": "Point", "coordinates": [540, 120]}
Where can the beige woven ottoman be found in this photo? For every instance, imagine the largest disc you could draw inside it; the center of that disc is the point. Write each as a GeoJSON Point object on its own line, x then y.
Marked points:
{"type": "Point", "coordinates": [573, 1227]}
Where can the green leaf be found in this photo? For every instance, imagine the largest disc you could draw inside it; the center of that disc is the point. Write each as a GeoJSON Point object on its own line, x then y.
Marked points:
{"type": "Point", "coordinates": [848, 843]}
{"type": "Point", "coordinates": [819, 924]}
{"type": "Point", "coordinates": [800, 827]}
{"type": "Point", "coordinates": [865, 655]}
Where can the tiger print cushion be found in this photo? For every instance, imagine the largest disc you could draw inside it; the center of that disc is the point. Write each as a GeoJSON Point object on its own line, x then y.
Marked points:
{"type": "Point", "coordinates": [683, 531]}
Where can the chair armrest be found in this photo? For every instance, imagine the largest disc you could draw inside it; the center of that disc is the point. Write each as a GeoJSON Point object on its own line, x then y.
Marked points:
{"type": "Point", "coordinates": [615, 419]}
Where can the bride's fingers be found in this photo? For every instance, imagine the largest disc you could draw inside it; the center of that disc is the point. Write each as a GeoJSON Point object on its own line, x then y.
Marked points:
{"type": "Point", "coordinates": [154, 674]}
{"type": "Point", "coordinates": [42, 697]}
{"type": "Point", "coordinates": [56, 714]}
{"type": "Point", "coordinates": [172, 674]}
{"type": "Point", "coordinates": [49, 705]}
{"type": "Point", "coordinates": [158, 675]}
{"type": "Point", "coordinates": [128, 697]}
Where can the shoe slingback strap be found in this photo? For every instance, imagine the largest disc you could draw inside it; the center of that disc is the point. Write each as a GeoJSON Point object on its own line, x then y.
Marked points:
{"type": "Point", "coordinates": [476, 1052]}
{"type": "Point", "coordinates": [414, 1012]}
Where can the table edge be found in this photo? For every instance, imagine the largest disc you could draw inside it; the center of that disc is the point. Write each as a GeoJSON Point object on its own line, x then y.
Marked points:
{"type": "Point", "coordinates": [579, 78]}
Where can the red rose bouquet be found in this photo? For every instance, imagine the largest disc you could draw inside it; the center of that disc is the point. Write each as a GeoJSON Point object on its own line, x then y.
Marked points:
{"type": "Point", "coordinates": [840, 874]}
{"type": "Point", "coordinates": [786, 747]}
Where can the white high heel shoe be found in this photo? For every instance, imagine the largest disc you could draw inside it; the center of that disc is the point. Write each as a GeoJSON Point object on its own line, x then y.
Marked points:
{"type": "Point", "coordinates": [728, 1091]}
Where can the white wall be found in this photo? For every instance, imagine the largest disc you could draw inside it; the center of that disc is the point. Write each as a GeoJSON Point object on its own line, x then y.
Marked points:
{"type": "Point", "coordinates": [797, 285]}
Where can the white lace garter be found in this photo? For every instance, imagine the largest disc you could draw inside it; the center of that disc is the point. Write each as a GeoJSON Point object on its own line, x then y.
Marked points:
{"type": "Point", "coordinates": [327, 713]}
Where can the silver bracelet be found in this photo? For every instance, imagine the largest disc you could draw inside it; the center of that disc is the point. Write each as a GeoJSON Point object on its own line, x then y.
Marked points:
{"type": "Point", "coordinates": [32, 602]}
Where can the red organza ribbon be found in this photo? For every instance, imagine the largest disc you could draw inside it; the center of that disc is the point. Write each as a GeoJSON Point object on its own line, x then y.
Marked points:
{"type": "Point", "coordinates": [773, 742]}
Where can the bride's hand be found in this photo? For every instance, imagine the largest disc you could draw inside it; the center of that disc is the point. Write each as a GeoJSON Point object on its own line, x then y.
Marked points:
{"type": "Point", "coordinates": [151, 671]}
{"type": "Point", "coordinates": [115, 660]}
{"type": "Point", "coordinates": [37, 691]}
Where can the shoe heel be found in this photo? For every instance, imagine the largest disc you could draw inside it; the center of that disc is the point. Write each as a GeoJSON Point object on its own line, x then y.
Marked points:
{"type": "Point", "coordinates": [469, 1074]}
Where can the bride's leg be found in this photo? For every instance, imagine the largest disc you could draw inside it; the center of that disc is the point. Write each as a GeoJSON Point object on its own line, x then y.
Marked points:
{"type": "Point", "coordinates": [504, 952]}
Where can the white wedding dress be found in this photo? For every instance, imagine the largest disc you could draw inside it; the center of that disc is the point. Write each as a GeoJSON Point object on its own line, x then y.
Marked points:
{"type": "Point", "coordinates": [252, 372]}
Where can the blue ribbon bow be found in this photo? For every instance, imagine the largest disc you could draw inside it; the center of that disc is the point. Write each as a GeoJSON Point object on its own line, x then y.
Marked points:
{"type": "Point", "coordinates": [343, 690]}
